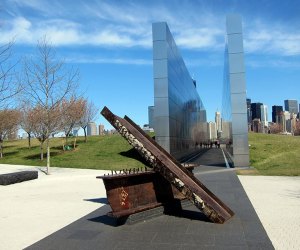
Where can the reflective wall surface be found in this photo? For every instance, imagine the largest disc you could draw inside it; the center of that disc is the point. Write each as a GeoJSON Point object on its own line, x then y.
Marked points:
{"type": "Point", "coordinates": [234, 110]}
{"type": "Point", "coordinates": [178, 109]}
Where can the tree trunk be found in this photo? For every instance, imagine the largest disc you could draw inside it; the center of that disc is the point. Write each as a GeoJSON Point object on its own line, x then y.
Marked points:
{"type": "Point", "coordinates": [42, 150]}
{"type": "Point", "coordinates": [85, 138]}
{"type": "Point", "coordinates": [1, 149]}
{"type": "Point", "coordinates": [74, 144]}
{"type": "Point", "coordinates": [67, 135]}
{"type": "Point", "coordinates": [29, 140]}
{"type": "Point", "coordinates": [48, 158]}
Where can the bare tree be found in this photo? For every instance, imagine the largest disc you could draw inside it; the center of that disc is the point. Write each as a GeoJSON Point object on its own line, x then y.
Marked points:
{"type": "Point", "coordinates": [44, 121]}
{"type": "Point", "coordinates": [275, 128]}
{"type": "Point", "coordinates": [47, 81]}
{"type": "Point", "coordinates": [90, 112]}
{"type": "Point", "coordinates": [73, 111]}
{"type": "Point", "coordinates": [10, 119]}
{"type": "Point", "coordinates": [8, 85]}
{"type": "Point", "coordinates": [27, 120]}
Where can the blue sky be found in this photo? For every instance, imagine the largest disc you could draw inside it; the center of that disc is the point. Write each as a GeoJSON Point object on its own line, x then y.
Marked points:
{"type": "Point", "coordinates": [111, 44]}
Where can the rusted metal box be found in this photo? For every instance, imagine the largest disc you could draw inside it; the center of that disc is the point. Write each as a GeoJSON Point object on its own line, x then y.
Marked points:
{"type": "Point", "coordinates": [135, 192]}
{"type": "Point", "coordinates": [170, 169]}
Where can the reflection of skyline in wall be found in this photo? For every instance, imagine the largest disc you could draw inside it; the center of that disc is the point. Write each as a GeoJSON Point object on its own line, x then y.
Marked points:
{"type": "Point", "coordinates": [249, 113]}
{"type": "Point", "coordinates": [178, 109]}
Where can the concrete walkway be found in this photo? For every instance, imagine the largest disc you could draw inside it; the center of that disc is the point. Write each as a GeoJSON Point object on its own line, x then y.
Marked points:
{"type": "Point", "coordinates": [276, 200]}
{"type": "Point", "coordinates": [32, 210]}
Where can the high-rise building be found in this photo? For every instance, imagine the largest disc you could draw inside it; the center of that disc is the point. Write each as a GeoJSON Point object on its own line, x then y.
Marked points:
{"type": "Point", "coordinates": [264, 115]}
{"type": "Point", "coordinates": [276, 112]}
{"type": "Point", "coordinates": [286, 117]}
{"type": "Point", "coordinates": [256, 110]}
{"type": "Point", "coordinates": [91, 128]}
{"type": "Point", "coordinates": [101, 129]}
{"type": "Point", "coordinates": [249, 114]}
{"type": "Point", "coordinates": [212, 130]}
{"type": "Point", "coordinates": [75, 131]}
{"type": "Point", "coordinates": [151, 116]}
{"type": "Point", "coordinates": [256, 125]}
{"type": "Point", "coordinates": [291, 106]}
{"type": "Point", "coordinates": [218, 122]}
{"type": "Point", "coordinates": [291, 123]}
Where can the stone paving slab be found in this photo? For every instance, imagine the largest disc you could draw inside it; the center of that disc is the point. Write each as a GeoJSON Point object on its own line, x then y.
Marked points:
{"type": "Point", "coordinates": [32, 210]}
{"type": "Point", "coordinates": [33, 213]}
{"type": "Point", "coordinates": [278, 206]}
{"type": "Point", "coordinates": [189, 230]}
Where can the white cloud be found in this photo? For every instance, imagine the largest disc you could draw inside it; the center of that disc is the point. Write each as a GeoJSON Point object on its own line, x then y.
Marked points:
{"type": "Point", "coordinates": [200, 38]}
{"type": "Point", "coordinates": [102, 60]}
{"type": "Point", "coordinates": [124, 25]}
{"type": "Point", "coordinates": [128, 24]}
{"type": "Point", "coordinates": [273, 63]}
{"type": "Point", "coordinates": [272, 39]}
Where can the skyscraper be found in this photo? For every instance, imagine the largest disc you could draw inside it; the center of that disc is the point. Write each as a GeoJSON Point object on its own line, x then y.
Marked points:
{"type": "Point", "coordinates": [264, 115]}
{"type": "Point", "coordinates": [249, 114]}
{"type": "Point", "coordinates": [218, 122]}
{"type": "Point", "coordinates": [151, 116]}
{"type": "Point", "coordinates": [101, 129]}
{"type": "Point", "coordinates": [91, 128]}
{"type": "Point", "coordinates": [256, 110]}
{"type": "Point", "coordinates": [276, 112]}
{"type": "Point", "coordinates": [212, 130]}
{"type": "Point", "coordinates": [291, 106]}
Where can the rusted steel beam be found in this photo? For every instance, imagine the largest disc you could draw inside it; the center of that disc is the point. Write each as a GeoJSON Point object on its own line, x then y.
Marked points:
{"type": "Point", "coordinates": [166, 165]}
{"type": "Point", "coordinates": [132, 191]}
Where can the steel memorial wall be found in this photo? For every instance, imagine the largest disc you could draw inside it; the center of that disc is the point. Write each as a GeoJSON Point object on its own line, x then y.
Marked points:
{"type": "Point", "coordinates": [179, 114]}
{"type": "Point", "coordinates": [234, 110]}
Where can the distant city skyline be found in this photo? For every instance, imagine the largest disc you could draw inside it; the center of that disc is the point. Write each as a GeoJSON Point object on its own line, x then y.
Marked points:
{"type": "Point", "coordinates": [111, 44]}
{"type": "Point", "coordinates": [269, 108]}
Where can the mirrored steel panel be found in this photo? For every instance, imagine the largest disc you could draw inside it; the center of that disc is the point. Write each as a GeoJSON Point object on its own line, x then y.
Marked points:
{"type": "Point", "coordinates": [234, 110]}
{"type": "Point", "coordinates": [236, 63]}
{"type": "Point", "coordinates": [238, 104]}
{"type": "Point", "coordinates": [238, 83]}
{"type": "Point", "coordinates": [235, 43]}
{"type": "Point", "coordinates": [238, 121]}
{"type": "Point", "coordinates": [234, 24]}
{"type": "Point", "coordinates": [181, 110]}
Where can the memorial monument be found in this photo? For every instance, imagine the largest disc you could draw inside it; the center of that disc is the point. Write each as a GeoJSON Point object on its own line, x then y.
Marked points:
{"type": "Point", "coordinates": [234, 113]}
{"type": "Point", "coordinates": [178, 109]}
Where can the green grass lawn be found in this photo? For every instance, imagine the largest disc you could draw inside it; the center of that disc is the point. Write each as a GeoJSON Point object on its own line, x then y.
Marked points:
{"type": "Point", "coordinates": [100, 152]}
{"type": "Point", "coordinates": [275, 154]}
{"type": "Point", "coordinates": [269, 154]}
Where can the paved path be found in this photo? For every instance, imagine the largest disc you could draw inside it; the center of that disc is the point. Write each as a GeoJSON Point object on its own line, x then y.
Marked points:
{"type": "Point", "coordinates": [276, 200]}
{"type": "Point", "coordinates": [189, 230]}
{"type": "Point", "coordinates": [37, 209]}
{"type": "Point", "coordinates": [32, 210]}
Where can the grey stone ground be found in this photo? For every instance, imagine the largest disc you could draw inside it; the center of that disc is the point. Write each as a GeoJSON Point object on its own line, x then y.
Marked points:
{"type": "Point", "coordinates": [188, 230]}
{"type": "Point", "coordinates": [276, 200]}
{"type": "Point", "coordinates": [66, 211]}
